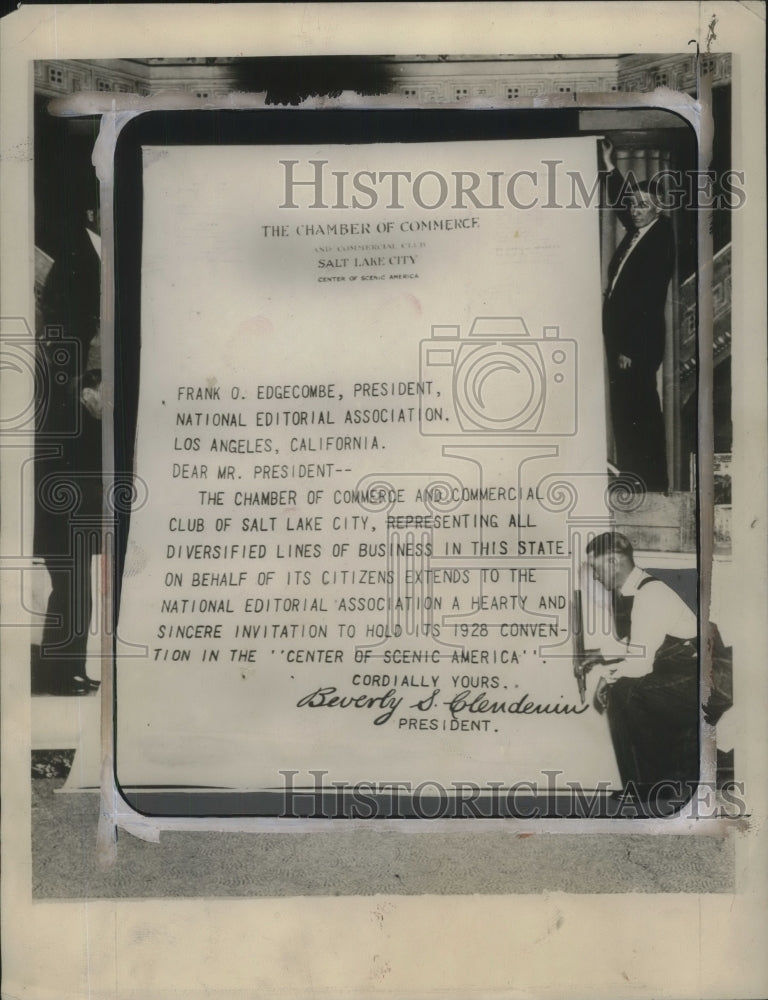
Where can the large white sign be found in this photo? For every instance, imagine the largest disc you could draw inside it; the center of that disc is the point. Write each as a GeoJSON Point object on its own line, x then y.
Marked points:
{"type": "Point", "coordinates": [371, 426]}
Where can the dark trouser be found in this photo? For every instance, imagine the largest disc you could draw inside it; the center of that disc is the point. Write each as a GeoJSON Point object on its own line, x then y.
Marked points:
{"type": "Point", "coordinates": [65, 634]}
{"type": "Point", "coordinates": [654, 724]}
{"type": "Point", "coordinates": [638, 427]}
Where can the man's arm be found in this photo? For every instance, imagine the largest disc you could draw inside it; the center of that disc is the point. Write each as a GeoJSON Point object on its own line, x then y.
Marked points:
{"type": "Point", "coordinates": [614, 184]}
{"type": "Point", "coordinates": [650, 623]}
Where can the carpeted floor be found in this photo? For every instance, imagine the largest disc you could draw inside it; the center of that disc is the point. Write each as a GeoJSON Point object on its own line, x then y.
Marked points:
{"type": "Point", "coordinates": [357, 863]}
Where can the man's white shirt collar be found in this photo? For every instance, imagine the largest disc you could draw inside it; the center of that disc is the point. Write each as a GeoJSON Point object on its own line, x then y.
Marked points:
{"type": "Point", "coordinates": [95, 241]}
{"type": "Point", "coordinates": [642, 230]}
{"type": "Point", "coordinates": [631, 584]}
{"type": "Point", "coordinates": [636, 237]}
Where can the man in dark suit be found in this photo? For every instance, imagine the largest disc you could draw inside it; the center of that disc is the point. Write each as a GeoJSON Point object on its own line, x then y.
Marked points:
{"type": "Point", "coordinates": [68, 457]}
{"type": "Point", "coordinates": [634, 327]}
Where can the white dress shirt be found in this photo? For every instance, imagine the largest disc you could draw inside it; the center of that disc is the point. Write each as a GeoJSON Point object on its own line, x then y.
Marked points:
{"type": "Point", "coordinates": [657, 611]}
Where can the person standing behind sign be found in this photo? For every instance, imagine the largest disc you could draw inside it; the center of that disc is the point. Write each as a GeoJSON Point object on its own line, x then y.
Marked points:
{"type": "Point", "coordinates": [634, 326]}
{"type": "Point", "coordinates": [68, 457]}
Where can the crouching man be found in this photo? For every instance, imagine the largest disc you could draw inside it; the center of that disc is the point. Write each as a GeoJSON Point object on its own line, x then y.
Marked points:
{"type": "Point", "coordinates": [650, 677]}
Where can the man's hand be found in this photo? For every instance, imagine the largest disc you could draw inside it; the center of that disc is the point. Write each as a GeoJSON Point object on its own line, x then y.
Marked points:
{"type": "Point", "coordinates": [606, 150]}
{"type": "Point", "coordinates": [585, 664]}
{"type": "Point", "coordinates": [625, 363]}
{"type": "Point", "coordinates": [600, 701]}
{"type": "Point", "coordinates": [90, 397]}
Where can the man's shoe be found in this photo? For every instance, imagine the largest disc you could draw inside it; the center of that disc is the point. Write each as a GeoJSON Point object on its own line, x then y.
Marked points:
{"type": "Point", "coordinates": [72, 688]}
{"type": "Point", "coordinates": [76, 686]}
{"type": "Point", "coordinates": [88, 682]}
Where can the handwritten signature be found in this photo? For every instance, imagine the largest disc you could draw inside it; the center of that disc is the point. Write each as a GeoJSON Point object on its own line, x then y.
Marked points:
{"type": "Point", "coordinates": [326, 697]}
{"type": "Point", "coordinates": [472, 702]}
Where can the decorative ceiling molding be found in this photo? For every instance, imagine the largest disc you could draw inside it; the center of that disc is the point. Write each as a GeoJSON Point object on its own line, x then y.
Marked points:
{"type": "Point", "coordinates": [641, 74]}
{"type": "Point", "coordinates": [429, 79]}
{"type": "Point", "coordinates": [56, 78]}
